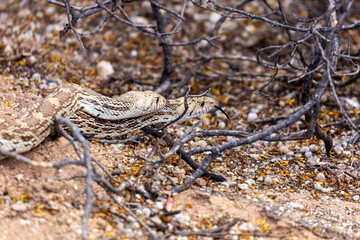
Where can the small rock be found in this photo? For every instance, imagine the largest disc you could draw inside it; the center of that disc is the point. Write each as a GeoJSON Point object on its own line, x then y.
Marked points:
{"type": "Point", "coordinates": [222, 125]}
{"type": "Point", "coordinates": [201, 182]}
{"type": "Point", "coordinates": [308, 154]}
{"type": "Point", "coordinates": [19, 207]}
{"type": "Point", "coordinates": [283, 149]}
{"type": "Point", "coordinates": [304, 149]}
{"type": "Point", "coordinates": [338, 149]}
{"type": "Point", "coordinates": [296, 205]}
{"type": "Point", "coordinates": [252, 117]}
{"type": "Point", "coordinates": [133, 53]}
{"type": "Point", "coordinates": [19, 177]}
{"type": "Point", "coordinates": [356, 197]}
{"type": "Point", "coordinates": [320, 176]}
{"type": "Point", "coordinates": [52, 186]}
{"type": "Point", "coordinates": [247, 226]}
{"type": "Point", "coordinates": [183, 219]}
{"type": "Point", "coordinates": [32, 59]}
{"type": "Point", "coordinates": [250, 182]}
{"type": "Point", "coordinates": [36, 77]}
{"type": "Point", "coordinates": [313, 148]}
{"type": "Point", "coordinates": [104, 69]}
{"type": "Point", "coordinates": [159, 205]}
{"type": "Point", "coordinates": [268, 180]}
{"type": "Point", "coordinates": [8, 51]}
{"type": "Point", "coordinates": [146, 212]}
{"type": "Point", "coordinates": [318, 186]}
{"type": "Point", "coordinates": [243, 186]}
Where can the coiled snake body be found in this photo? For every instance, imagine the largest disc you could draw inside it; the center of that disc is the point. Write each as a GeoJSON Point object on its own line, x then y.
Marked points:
{"type": "Point", "coordinates": [96, 115]}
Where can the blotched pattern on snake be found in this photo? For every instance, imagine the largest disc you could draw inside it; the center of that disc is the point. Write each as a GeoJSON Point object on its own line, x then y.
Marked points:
{"type": "Point", "coordinates": [96, 115]}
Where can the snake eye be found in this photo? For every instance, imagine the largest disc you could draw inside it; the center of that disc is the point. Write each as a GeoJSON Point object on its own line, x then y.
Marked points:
{"type": "Point", "coordinates": [157, 99]}
{"type": "Point", "coordinates": [202, 103]}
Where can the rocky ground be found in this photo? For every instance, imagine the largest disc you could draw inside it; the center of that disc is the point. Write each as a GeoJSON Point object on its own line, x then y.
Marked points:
{"type": "Point", "coordinates": [274, 190]}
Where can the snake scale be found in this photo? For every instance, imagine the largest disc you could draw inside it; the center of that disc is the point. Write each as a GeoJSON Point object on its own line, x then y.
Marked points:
{"type": "Point", "coordinates": [95, 115]}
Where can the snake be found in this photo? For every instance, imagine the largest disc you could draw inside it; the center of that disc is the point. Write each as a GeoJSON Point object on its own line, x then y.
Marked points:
{"type": "Point", "coordinates": [95, 115]}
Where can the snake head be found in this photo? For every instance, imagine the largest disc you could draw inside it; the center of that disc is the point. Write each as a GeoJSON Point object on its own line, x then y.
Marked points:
{"type": "Point", "coordinates": [196, 106]}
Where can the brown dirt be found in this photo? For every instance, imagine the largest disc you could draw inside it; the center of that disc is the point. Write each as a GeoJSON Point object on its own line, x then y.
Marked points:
{"type": "Point", "coordinates": [35, 204]}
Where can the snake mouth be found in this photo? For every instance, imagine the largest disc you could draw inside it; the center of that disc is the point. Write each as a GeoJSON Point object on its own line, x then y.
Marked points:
{"type": "Point", "coordinates": [223, 111]}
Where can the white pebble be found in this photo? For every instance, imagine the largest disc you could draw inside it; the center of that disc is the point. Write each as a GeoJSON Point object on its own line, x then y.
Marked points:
{"type": "Point", "coordinates": [338, 149]}
{"type": "Point", "coordinates": [313, 148]}
{"type": "Point", "coordinates": [243, 186]}
{"type": "Point", "coordinates": [308, 154]}
{"type": "Point", "coordinates": [296, 205]}
{"type": "Point", "coordinates": [290, 153]}
{"type": "Point", "coordinates": [313, 161]}
{"type": "Point", "coordinates": [222, 125]}
{"type": "Point", "coordinates": [8, 51]}
{"type": "Point", "coordinates": [304, 149]}
{"type": "Point", "coordinates": [159, 205]}
{"type": "Point", "coordinates": [36, 77]}
{"type": "Point", "coordinates": [247, 226]}
{"type": "Point", "coordinates": [32, 59]}
{"type": "Point", "coordinates": [250, 182]}
{"type": "Point", "coordinates": [318, 186]}
{"type": "Point", "coordinates": [19, 177]}
{"type": "Point", "coordinates": [268, 180]}
{"type": "Point", "coordinates": [146, 212]}
{"type": "Point", "coordinates": [19, 207]}
{"type": "Point", "coordinates": [283, 149]}
{"type": "Point", "coordinates": [252, 117]}
{"type": "Point", "coordinates": [104, 69]}
{"type": "Point", "coordinates": [133, 53]}
{"type": "Point", "coordinates": [320, 176]}
{"type": "Point", "coordinates": [183, 219]}
{"type": "Point", "coordinates": [356, 197]}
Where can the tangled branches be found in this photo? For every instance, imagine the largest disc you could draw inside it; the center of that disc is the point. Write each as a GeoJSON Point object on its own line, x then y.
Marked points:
{"type": "Point", "coordinates": [307, 51]}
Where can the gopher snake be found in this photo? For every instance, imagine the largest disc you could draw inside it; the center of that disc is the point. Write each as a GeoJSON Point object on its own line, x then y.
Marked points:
{"type": "Point", "coordinates": [96, 115]}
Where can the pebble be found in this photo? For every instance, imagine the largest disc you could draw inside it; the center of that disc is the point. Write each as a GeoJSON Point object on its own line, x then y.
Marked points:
{"type": "Point", "coordinates": [268, 180]}
{"type": "Point", "coordinates": [356, 197]}
{"type": "Point", "coordinates": [104, 69]}
{"type": "Point", "coordinates": [313, 148]}
{"type": "Point", "coordinates": [200, 181]}
{"type": "Point", "coordinates": [308, 154]}
{"type": "Point", "coordinates": [318, 186]}
{"type": "Point", "coordinates": [221, 125]}
{"type": "Point", "coordinates": [146, 212]}
{"type": "Point", "coordinates": [313, 161]}
{"type": "Point", "coordinates": [247, 226]}
{"type": "Point", "coordinates": [32, 59]}
{"type": "Point", "coordinates": [36, 77]}
{"type": "Point", "coordinates": [290, 153]}
{"type": "Point", "coordinates": [250, 182]}
{"type": "Point", "coordinates": [283, 149]}
{"type": "Point", "coordinates": [320, 176]}
{"type": "Point", "coordinates": [296, 205]}
{"type": "Point", "coordinates": [8, 51]}
{"type": "Point", "coordinates": [19, 207]}
{"type": "Point", "coordinates": [19, 177]}
{"type": "Point", "coordinates": [180, 133]}
{"type": "Point", "coordinates": [159, 205]}
{"type": "Point", "coordinates": [133, 53]}
{"type": "Point", "coordinates": [183, 219]}
{"type": "Point", "coordinates": [304, 149]}
{"type": "Point", "coordinates": [243, 186]}
{"type": "Point", "coordinates": [252, 117]}
{"type": "Point", "coordinates": [338, 149]}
